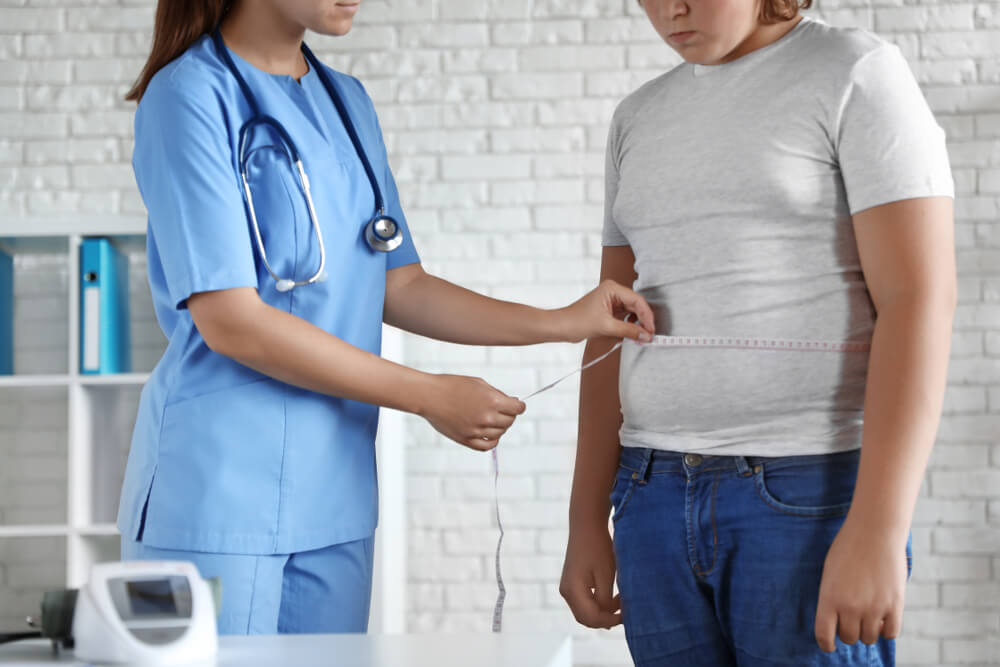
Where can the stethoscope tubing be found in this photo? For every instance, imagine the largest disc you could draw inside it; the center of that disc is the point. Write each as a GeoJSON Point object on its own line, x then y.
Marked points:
{"type": "Point", "coordinates": [382, 232]}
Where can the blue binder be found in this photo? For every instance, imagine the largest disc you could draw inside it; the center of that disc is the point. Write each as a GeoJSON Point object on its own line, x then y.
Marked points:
{"type": "Point", "coordinates": [6, 314]}
{"type": "Point", "coordinates": [105, 345]}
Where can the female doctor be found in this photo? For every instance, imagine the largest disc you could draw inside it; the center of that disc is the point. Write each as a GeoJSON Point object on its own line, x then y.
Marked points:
{"type": "Point", "coordinates": [277, 248]}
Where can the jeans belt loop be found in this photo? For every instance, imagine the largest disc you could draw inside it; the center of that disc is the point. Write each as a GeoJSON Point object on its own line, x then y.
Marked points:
{"type": "Point", "coordinates": [743, 466]}
{"type": "Point", "coordinates": [647, 463]}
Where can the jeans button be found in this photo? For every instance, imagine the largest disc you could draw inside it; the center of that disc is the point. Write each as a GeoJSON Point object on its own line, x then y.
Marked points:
{"type": "Point", "coordinates": [692, 459]}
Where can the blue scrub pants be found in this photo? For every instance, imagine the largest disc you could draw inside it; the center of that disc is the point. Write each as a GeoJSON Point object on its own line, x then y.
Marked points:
{"type": "Point", "coordinates": [320, 591]}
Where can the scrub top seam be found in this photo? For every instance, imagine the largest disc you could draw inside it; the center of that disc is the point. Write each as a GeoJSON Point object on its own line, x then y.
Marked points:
{"type": "Point", "coordinates": [253, 593]}
{"type": "Point", "coordinates": [295, 237]}
{"type": "Point", "coordinates": [138, 522]}
{"type": "Point", "coordinates": [284, 449]}
{"type": "Point", "coordinates": [322, 125]}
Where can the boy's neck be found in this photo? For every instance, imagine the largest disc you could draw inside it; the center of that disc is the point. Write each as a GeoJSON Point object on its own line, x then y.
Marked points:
{"type": "Point", "coordinates": [764, 35]}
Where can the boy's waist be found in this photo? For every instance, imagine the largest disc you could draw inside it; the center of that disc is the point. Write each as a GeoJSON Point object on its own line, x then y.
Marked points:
{"type": "Point", "coordinates": [641, 459]}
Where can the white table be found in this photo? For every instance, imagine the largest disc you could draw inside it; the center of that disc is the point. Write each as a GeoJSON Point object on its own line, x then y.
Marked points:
{"type": "Point", "coordinates": [482, 650]}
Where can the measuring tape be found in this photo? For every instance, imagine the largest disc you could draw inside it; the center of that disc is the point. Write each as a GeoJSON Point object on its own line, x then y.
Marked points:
{"type": "Point", "coordinates": [501, 590]}
{"type": "Point", "coordinates": [730, 342]}
{"type": "Point", "coordinates": [741, 343]}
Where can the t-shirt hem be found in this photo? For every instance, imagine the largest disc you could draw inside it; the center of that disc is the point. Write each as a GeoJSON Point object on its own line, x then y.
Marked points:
{"type": "Point", "coordinates": [714, 447]}
{"type": "Point", "coordinates": [901, 194]}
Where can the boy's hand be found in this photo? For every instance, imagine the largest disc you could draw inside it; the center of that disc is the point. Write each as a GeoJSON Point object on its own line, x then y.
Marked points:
{"type": "Point", "coordinates": [601, 312]}
{"type": "Point", "coordinates": [588, 577]}
{"type": "Point", "coordinates": [862, 590]}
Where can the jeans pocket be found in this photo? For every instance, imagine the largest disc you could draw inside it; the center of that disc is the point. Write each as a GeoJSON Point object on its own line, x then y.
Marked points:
{"type": "Point", "coordinates": [621, 492]}
{"type": "Point", "coordinates": [815, 486]}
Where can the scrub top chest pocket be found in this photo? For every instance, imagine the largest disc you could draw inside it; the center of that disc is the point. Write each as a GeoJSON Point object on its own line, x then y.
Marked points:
{"type": "Point", "coordinates": [280, 208]}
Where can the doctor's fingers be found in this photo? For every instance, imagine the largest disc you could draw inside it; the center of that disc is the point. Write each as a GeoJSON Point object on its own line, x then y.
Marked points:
{"type": "Point", "coordinates": [634, 303]}
{"type": "Point", "coordinates": [496, 420]}
{"type": "Point", "coordinates": [487, 437]}
{"type": "Point", "coordinates": [490, 433]}
{"type": "Point", "coordinates": [510, 406]}
{"type": "Point", "coordinates": [619, 329]}
{"type": "Point", "coordinates": [480, 443]}
{"type": "Point", "coordinates": [496, 400]}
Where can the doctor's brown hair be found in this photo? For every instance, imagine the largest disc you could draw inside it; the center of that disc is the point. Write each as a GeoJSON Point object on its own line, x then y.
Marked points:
{"type": "Point", "coordinates": [179, 24]}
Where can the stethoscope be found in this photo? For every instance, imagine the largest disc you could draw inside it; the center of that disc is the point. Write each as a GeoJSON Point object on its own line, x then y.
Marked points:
{"type": "Point", "coordinates": [382, 232]}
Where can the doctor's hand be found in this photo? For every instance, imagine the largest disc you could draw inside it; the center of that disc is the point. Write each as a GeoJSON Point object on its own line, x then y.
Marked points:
{"type": "Point", "coordinates": [588, 575]}
{"type": "Point", "coordinates": [601, 313]}
{"type": "Point", "coordinates": [470, 411]}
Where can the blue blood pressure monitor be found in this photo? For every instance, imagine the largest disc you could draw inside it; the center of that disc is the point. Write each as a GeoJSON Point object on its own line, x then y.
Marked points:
{"type": "Point", "coordinates": [145, 612]}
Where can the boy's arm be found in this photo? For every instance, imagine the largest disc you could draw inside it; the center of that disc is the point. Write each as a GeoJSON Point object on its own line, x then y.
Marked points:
{"type": "Point", "coordinates": [908, 257]}
{"type": "Point", "coordinates": [589, 569]}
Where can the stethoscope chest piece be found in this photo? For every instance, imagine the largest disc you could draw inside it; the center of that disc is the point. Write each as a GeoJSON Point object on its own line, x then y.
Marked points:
{"type": "Point", "coordinates": [383, 234]}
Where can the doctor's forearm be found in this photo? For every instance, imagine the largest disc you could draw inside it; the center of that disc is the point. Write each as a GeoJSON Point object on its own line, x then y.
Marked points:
{"type": "Point", "coordinates": [296, 352]}
{"type": "Point", "coordinates": [907, 374]}
{"type": "Point", "coordinates": [432, 307]}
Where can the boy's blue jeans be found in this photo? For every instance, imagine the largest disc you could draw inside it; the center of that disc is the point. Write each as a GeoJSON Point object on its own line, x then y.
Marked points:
{"type": "Point", "coordinates": [720, 557]}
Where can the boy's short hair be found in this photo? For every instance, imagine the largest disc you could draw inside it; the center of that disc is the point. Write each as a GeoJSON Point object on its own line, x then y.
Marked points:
{"type": "Point", "coordinates": [774, 11]}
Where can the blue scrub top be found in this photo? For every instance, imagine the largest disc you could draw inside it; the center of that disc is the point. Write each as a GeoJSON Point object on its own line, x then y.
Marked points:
{"type": "Point", "coordinates": [223, 458]}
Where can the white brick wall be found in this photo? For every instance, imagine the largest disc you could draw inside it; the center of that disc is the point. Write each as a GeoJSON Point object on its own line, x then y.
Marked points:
{"type": "Point", "coordinates": [495, 114]}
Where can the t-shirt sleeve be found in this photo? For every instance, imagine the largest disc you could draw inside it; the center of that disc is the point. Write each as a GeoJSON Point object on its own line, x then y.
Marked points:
{"type": "Point", "coordinates": [184, 168]}
{"type": "Point", "coordinates": [888, 143]}
{"type": "Point", "coordinates": [611, 235]}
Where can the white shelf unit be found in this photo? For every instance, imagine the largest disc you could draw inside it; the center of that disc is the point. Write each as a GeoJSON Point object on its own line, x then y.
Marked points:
{"type": "Point", "coordinates": [96, 424]}
{"type": "Point", "coordinates": [64, 436]}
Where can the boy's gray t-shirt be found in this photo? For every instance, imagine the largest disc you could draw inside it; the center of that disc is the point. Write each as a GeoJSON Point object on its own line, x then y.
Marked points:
{"type": "Point", "coordinates": [735, 185]}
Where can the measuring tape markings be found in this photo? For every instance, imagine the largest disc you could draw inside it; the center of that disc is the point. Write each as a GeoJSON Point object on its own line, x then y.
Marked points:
{"type": "Point", "coordinates": [501, 589]}
{"type": "Point", "coordinates": [728, 342]}
{"type": "Point", "coordinates": [745, 343]}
